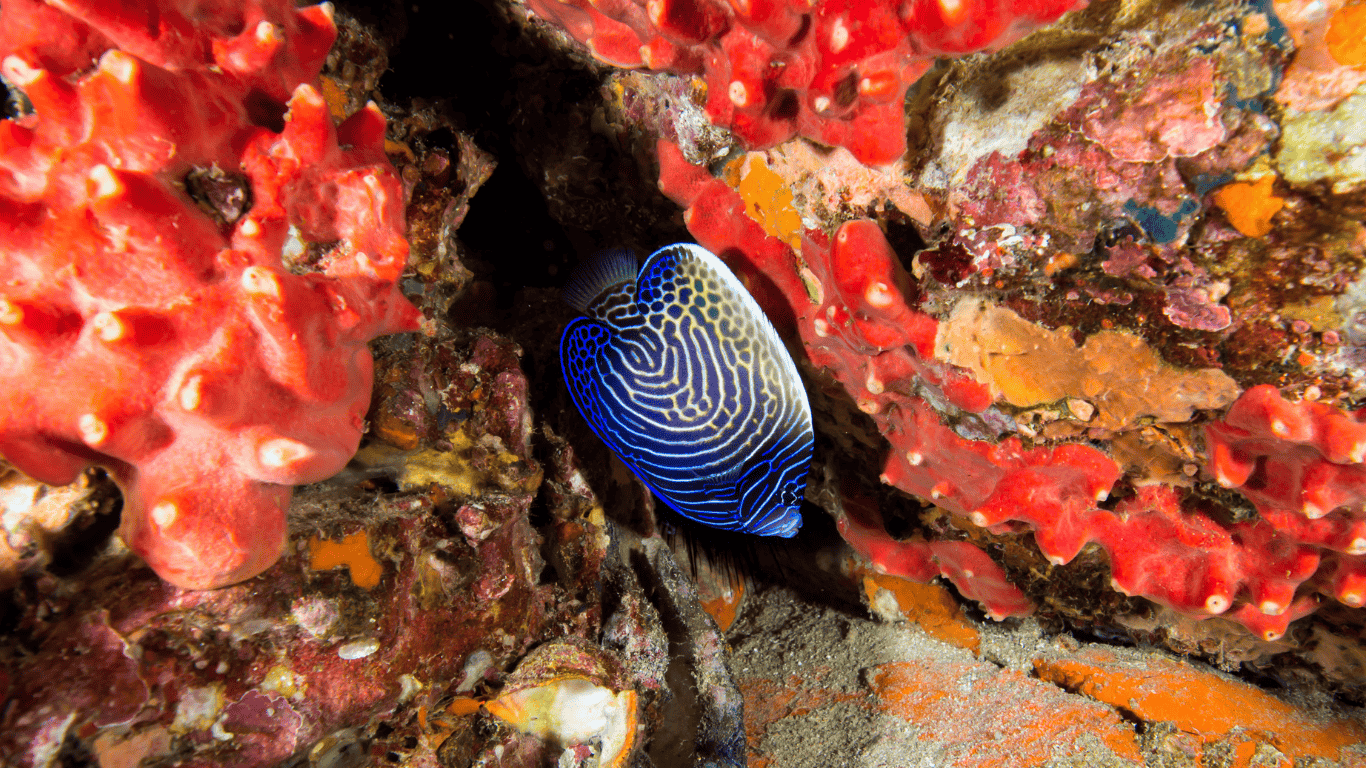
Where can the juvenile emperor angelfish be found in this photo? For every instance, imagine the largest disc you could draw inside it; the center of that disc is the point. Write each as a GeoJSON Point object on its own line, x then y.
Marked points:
{"type": "Point", "coordinates": [678, 371]}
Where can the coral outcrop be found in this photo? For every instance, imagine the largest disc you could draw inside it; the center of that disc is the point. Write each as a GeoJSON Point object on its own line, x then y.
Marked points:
{"type": "Point", "coordinates": [835, 71]}
{"type": "Point", "coordinates": [418, 601]}
{"type": "Point", "coordinates": [194, 260]}
{"type": "Point", "coordinates": [1301, 464]}
{"type": "Point", "coordinates": [854, 309]}
{"type": "Point", "coordinates": [1093, 350]}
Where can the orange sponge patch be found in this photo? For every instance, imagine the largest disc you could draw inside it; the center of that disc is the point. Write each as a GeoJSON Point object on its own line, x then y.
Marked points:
{"type": "Point", "coordinates": [352, 552]}
{"type": "Point", "coordinates": [767, 198]}
{"type": "Point", "coordinates": [1346, 36]}
{"type": "Point", "coordinates": [1250, 206]}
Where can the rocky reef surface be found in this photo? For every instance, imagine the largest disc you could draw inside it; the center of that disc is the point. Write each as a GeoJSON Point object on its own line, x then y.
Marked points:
{"type": "Point", "coordinates": [1076, 291]}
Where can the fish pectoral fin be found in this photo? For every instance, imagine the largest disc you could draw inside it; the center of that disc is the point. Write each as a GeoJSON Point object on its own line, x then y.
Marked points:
{"type": "Point", "coordinates": [723, 484]}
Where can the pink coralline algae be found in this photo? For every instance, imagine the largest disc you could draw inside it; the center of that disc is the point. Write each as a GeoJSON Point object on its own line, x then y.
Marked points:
{"type": "Point", "coordinates": [148, 321]}
{"type": "Point", "coordinates": [1143, 145]}
{"type": "Point", "coordinates": [835, 71]}
{"type": "Point", "coordinates": [1117, 143]}
{"type": "Point", "coordinates": [1169, 117]}
{"type": "Point", "coordinates": [849, 299]}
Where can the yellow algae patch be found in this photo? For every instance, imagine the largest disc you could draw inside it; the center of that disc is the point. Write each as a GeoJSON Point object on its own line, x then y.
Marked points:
{"type": "Point", "coordinates": [467, 468]}
{"type": "Point", "coordinates": [1118, 374]}
{"type": "Point", "coordinates": [1249, 206]}
{"type": "Point", "coordinates": [1346, 36]}
{"type": "Point", "coordinates": [334, 96]}
{"type": "Point", "coordinates": [456, 472]}
{"type": "Point", "coordinates": [198, 708]}
{"type": "Point", "coordinates": [1321, 313]}
{"type": "Point", "coordinates": [767, 198]}
{"type": "Point", "coordinates": [282, 680]}
{"type": "Point", "coordinates": [352, 552]}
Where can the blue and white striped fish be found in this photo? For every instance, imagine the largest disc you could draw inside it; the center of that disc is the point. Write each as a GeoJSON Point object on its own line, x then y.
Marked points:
{"type": "Point", "coordinates": [678, 371]}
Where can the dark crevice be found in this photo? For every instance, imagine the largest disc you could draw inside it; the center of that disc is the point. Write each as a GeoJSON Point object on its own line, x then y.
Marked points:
{"type": "Point", "coordinates": [761, 561]}
{"type": "Point", "coordinates": [17, 104]}
{"type": "Point", "coordinates": [78, 545]}
{"type": "Point", "coordinates": [265, 112]}
{"type": "Point", "coordinates": [509, 236]}
{"type": "Point", "coordinates": [785, 105]}
{"type": "Point", "coordinates": [224, 196]}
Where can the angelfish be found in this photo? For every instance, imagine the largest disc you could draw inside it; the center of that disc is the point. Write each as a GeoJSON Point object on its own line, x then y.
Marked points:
{"type": "Point", "coordinates": [679, 372]}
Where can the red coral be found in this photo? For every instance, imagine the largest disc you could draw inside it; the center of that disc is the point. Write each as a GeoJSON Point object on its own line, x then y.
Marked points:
{"type": "Point", "coordinates": [971, 571]}
{"type": "Point", "coordinates": [1298, 463]}
{"type": "Point", "coordinates": [832, 70]}
{"type": "Point", "coordinates": [1308, 455]}
{"type": "Point", "coordinates": [1301, 464]}
{"type": "Point", "coordinates": [147, 321]}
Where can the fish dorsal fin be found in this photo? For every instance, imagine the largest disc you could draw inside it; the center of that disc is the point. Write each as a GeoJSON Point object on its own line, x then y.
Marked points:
{"type": "Point", "coordinates": [598, 274]}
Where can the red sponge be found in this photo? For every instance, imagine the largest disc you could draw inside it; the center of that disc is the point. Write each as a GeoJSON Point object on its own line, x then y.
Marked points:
{"type": "Point", "coordinates": [192, 267]}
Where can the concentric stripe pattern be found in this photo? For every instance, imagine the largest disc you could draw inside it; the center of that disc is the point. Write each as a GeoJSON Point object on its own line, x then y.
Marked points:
{"type": "Point", "coordinates": [685, 379]}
